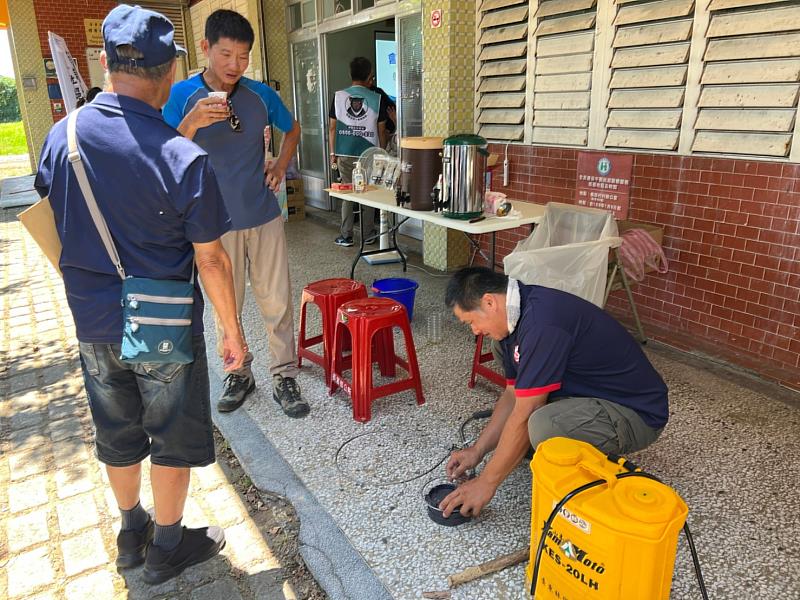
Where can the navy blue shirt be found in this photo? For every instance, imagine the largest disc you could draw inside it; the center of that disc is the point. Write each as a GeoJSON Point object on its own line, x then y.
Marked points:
{"type": "Point", "coordinates": [566, 346]}
{"type": "Point", "coordinates": [237, 157]}
{"type": "Point", "coordinates": [155, 190]}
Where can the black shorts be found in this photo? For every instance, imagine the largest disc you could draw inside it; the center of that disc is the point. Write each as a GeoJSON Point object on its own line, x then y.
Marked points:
{"type": "Point", "coordinates": [158, 409]}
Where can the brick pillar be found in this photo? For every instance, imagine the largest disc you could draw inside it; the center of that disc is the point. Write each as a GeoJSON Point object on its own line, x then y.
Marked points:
{"type": "Point", "coordinates": [448, 81]}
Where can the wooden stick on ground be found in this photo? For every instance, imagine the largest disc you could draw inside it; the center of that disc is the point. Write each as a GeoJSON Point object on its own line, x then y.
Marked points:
{"type": "Point", "coordinates": [492, 566]}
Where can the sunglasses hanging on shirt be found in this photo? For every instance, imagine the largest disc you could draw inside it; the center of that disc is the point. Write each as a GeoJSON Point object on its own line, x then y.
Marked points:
{"type": "Point", "coordinates": [233, 119]}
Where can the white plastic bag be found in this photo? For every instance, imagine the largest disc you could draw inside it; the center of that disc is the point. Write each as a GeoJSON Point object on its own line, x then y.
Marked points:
{"type": "Point", "coordinates": [567, 251]}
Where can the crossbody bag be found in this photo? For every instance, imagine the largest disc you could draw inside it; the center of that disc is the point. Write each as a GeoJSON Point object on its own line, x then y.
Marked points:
{"type": "Point", "coordinates": [157, 313]}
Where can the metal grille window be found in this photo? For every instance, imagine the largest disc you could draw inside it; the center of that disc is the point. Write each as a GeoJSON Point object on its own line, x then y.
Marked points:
{"type": "Point", "coordinates": [750, 80]}
{"type": "Point", "coordinates": [564, 56]}
{"type": "Point", "coordinates": [649, 67]}
{"type": "Point", "coordinates": [502, 62]}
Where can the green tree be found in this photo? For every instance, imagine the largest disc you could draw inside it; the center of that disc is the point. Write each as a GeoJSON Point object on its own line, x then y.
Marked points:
{"type": "Point", "coordinates": [9, 103]}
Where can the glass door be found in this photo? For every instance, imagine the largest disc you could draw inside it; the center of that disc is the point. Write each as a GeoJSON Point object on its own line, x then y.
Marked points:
{"type": "Point", "coordinates": [308, 110]}
{"type": "Point", "coordinates": [410, 49]}
{"type": "Point", "coordinates": [410, 93]}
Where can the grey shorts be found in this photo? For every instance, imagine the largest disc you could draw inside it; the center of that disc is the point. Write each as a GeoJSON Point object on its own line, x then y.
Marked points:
{"type": "Point", "coordinates": [158, 409]}
{"type": "Point", "coordinates": [608, 426]}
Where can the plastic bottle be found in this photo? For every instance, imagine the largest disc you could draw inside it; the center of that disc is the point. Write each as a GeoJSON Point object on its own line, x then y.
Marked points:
{"type": "Point", "coordinates": [359, 178]}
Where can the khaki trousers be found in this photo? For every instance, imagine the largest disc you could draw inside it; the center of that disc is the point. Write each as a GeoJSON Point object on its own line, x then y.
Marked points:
{"type": "Point", "coordinates": [260, 254]}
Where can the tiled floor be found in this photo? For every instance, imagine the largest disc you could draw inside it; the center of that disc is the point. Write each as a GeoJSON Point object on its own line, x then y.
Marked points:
{"type": "Point", "coordinates": [58, 516]}
{"type": "Point", "coordinates": [730, 450]}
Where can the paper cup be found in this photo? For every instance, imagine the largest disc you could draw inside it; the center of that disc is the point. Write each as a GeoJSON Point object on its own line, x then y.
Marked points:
{"type": "Point", "coordinates": [221, 96]}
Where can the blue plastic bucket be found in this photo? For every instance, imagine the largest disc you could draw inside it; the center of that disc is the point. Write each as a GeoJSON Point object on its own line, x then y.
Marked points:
{"type": "Point", "coordinates": [397, 288]}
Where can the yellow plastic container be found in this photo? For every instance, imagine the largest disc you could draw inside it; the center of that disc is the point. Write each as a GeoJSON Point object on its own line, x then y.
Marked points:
{"type": "Point", "coordinates": [616, 541]}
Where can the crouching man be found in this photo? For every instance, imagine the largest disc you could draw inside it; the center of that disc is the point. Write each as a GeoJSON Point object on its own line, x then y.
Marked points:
{"type": "Point", "coordinates": [571, 369]}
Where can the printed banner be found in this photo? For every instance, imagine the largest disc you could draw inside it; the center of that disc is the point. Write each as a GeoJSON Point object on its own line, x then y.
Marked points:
{"type": "Point", "coordinates": [69, 78]}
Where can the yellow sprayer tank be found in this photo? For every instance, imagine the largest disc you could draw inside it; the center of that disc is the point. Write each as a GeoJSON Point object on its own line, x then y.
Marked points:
{"type": "Point", "coordinates": [616, 541]}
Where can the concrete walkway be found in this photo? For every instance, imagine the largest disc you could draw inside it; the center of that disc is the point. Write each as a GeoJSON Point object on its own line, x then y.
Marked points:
{"type": "Point", "coordinates": [58, 517]}
{"type": "Point", "coordinates": [17, 191]}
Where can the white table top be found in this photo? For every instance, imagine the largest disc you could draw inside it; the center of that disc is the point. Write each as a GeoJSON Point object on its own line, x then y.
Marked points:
{"type": "Point", "coordinates": [383, 199]}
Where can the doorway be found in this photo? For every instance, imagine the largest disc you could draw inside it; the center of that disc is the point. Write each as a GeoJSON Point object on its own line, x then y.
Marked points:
{"type": "Point", "coordinates": [321, 66]}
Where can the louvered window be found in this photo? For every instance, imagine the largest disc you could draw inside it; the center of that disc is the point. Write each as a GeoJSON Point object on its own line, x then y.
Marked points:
{"type": "Point", "coordinates": [751, 71]}
{"type": "Point", "coordinates": [502, 61]}
{"type": "Point", "coordinates": [564, 43]}
{"type": "Point", "coordinates": [648, 80]}
{"type": "Point", "coordinates": [174, 11]}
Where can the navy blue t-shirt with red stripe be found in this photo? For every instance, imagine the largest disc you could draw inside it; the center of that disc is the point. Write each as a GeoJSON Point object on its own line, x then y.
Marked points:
{"type": "Point", "coordinates": [566, 346]}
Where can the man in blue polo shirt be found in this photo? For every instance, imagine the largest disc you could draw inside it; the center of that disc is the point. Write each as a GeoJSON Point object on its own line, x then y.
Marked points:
{"type": "Point", "coordinates": [231, 130]}
{"type": "Point", "coordinates": [572, 371]}
{"type": "Point", "coordinates": [160, 200]}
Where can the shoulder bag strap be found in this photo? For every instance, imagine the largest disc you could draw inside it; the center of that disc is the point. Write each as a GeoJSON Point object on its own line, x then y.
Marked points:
{"type": "Point", "coordinates": [86, 188]}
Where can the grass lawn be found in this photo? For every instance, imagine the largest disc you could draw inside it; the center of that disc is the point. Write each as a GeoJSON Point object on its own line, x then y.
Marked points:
{"type": "Point", "coordinates": [12, 139]}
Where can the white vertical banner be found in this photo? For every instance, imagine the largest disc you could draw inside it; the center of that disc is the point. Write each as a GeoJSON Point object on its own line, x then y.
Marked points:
{"type": "Point", "coordinates": [69, 78]}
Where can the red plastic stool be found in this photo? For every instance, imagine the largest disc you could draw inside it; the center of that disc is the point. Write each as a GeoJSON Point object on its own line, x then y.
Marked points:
{"type": "Point", "coordinates": [478, 359]}
{"type": "Point", "coordinates": [328, 295]}
{"type": "Point", "coordinates": [370, 323]}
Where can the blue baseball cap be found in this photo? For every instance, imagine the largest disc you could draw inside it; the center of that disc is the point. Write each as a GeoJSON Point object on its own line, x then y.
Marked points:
{"type": "Point", "coordinates": [151, 33]}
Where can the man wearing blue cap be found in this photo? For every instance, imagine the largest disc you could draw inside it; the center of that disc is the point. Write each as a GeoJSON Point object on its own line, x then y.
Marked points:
{"type": "Point", "coordinates": [161, 202]}
{"type": "Point", "coordinates": [226, 114]}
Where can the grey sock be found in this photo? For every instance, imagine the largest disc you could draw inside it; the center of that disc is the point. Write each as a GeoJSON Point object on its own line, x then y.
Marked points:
{"type": "Point", "coordinates": [168, 537]}
{"type": "Point", "coordinates": [135, 518]}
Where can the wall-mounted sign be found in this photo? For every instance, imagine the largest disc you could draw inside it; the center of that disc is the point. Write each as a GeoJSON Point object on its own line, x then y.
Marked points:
{"type": "Point", "coordinates": [94, 31]}
{"type": "Point", "coordinates": [604, 182]}
{"type": "Point", "coordinates": [96, 74]}
{"type": "Point", "coordinates": [436, 18]}
{"type": "Point", "coordinates": [49, 68]}
{"type": "Point", "coordinates": [54, 91]}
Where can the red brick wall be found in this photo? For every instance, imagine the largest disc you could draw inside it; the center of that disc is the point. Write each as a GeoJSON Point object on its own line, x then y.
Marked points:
{"type": "Point", "coordinates": [66, 20]}
{"type": "Point", "coordinates": [732, 238]}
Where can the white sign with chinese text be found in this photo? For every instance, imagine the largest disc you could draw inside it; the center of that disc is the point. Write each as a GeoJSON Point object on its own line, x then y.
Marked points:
{"type": "Point", "coordinates": [69, 78]}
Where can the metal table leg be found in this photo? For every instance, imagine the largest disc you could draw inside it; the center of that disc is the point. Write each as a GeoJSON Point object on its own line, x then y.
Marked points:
{"type": "Point", "coordinates": [361, 253]}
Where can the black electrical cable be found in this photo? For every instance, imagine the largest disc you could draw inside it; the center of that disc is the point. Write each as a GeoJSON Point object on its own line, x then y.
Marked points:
{"type": "Point", "coordinates": [695, 560]}
{"type": "Point", "coordinates": [381, 483]}
{"type": "Point", "coordinates": [627, 465]}
{"type": "Point", "coordinates": [481, 414]}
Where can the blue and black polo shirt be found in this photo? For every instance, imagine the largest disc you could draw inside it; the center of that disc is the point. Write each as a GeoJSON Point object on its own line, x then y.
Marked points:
{"type": "Point", "coordinates": [237, 157]}
{"type": "Point", "coordinates": [565, 346]}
